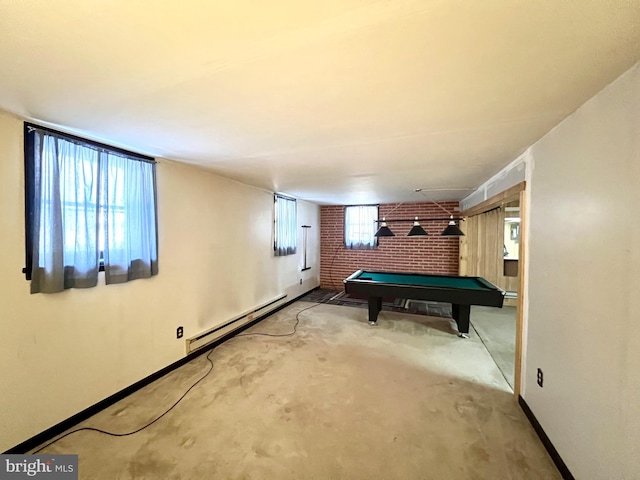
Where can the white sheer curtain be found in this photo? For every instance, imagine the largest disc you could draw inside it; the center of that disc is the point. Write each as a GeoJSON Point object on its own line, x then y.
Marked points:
{"type": "Point", "coordinates": [285, 226]}
{"type": "Point", "coordinates": [84, 200]}
{"type": "Point", "coordinates": [360, 226]}
{"type": "Point", "coordinates": [129, 219]}
{"type": "Point", "coordinates": [65, 213]}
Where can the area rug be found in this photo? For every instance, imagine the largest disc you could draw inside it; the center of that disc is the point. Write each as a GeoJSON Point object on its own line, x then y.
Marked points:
{"type": "Point", "coordinates": [418, 307]}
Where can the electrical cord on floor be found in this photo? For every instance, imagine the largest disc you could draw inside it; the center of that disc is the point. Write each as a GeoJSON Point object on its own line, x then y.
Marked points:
{"type": "Point", "coordinates": [92, 429]}
{"type": "Point", "coordinates": [112, 434]}
{"type": "Point", "coordinates": [295, 327]}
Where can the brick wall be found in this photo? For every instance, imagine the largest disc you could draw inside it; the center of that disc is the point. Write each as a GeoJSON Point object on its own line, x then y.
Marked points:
{"type": "Point", "coordinates": [430, 254]}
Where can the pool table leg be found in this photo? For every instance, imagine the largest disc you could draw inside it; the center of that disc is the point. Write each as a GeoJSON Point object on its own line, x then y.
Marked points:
{"type": "Point", "coordinates": [375, 305]}
{"type": "Point", "coordinates": [460, 314]}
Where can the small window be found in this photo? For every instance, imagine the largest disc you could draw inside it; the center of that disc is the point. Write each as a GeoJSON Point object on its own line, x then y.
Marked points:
{"type": "Point", "coordinates": [360, 224]}
{"type": "Point", "coordinates": [89, 207]}
{"type": "Point", "coordinates": [285, 237]}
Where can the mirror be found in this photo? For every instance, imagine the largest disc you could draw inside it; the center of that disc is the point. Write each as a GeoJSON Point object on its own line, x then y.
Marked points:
{"type": "Point", "coordinates": [511, 239]}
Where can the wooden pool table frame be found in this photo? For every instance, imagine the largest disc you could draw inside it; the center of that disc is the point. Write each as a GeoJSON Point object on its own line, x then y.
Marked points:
{"type": "Point", "coordinates": [460, 299]}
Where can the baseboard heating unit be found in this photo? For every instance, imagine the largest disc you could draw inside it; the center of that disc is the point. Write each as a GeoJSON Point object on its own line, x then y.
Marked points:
{"type": "Point", "coordinates": [208, 336]}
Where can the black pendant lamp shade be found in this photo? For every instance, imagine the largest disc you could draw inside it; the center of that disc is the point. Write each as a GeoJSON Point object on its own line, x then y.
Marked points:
{"type": "Point", "coordinates": [384, 231]}
{"type": "Point", "coordinates": [452, 230]}
{"type": "Point", "coordinates": [417, 230]}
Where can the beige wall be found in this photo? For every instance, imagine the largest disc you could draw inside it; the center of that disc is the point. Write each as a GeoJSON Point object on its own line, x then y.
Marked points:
{"type": "Point", "coordinates": [63, 352]}
{"type": "Point", "coordinates": [582, 299]}
{"type": "Point", "coordinates": [584, 284]}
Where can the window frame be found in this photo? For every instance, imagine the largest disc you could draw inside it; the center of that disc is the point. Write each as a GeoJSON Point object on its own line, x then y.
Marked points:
{"type": "Point", "coordinates": [344, 227]}
{"type": "Point", "coordinates": [293, 225]}
{"type": "Point", "coordinates": [29, 186]}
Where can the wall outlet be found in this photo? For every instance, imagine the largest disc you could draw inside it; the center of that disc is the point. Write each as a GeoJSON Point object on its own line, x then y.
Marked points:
{"type": "Point", "coordinates": [179, 332]}
{"type": "Point", "coordinates": [540, 377]}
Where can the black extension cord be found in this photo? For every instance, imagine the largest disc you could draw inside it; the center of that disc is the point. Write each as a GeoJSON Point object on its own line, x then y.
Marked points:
{"type": "Point", "coordinates": [92, 429]}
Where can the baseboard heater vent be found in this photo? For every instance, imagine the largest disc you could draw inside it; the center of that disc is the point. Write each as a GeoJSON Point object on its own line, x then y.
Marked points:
{"type": "Point", "coordinates": [213, 334]}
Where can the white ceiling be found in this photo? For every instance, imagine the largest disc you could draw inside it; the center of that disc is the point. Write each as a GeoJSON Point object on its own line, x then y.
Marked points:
{"type": "Point", "coordinates": [334, 101]}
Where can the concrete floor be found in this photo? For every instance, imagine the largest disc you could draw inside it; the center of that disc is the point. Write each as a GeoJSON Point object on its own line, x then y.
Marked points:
{"type": "Point", "coordinates": [497, 330]}
{"type": "Point", "coordinates": [340, 399]}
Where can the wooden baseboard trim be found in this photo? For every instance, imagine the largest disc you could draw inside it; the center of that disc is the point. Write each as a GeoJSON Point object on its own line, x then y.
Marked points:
{"type": "Point", "coordinates": [71, 422]}
{"type": "Point", "coordinates": [553, 453]}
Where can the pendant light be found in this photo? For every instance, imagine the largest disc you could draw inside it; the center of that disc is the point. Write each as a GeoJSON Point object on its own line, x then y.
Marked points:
{"type": "Point", "coordinates": [417, 230]}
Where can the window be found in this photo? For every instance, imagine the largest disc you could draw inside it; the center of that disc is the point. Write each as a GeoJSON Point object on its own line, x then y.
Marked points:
{"type": "Point", "coordinates": [360, 226]}
{"type": "Point", "coordinates": [284, 242]}
{"type": "Point", "coordinates": [89, 207]}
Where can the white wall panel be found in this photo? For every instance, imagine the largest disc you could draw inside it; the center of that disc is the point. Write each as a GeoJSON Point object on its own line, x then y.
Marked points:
{"type": "Point", "coordinates": [583, 287]}
{"type": "Point", "coordinates": [63, 352]}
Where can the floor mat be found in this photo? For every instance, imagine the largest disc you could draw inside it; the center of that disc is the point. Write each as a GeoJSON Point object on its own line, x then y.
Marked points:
{"type": "Point", "coordinates": [418, 307]}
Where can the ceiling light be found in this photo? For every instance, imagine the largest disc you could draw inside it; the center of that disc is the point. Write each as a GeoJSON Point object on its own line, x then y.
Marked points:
{"type": "Point", "coordinates": [416, 230]}
{"type": "Point", "coordinates": [452, 230]}
{"type": "Point", "coordinates": [384, 231]}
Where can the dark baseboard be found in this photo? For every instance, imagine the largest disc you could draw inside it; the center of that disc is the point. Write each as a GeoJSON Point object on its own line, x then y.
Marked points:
{"type": "Point", "coordinates": [71, 422]}
{"type": "Point", "coordinates": [553, 453]}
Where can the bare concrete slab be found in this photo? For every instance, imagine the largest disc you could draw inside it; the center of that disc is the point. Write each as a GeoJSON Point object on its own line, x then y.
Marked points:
{"type": "Point", "coordinates": [497, 329]}
{"type": "Point", "coordinates": [339, 399]}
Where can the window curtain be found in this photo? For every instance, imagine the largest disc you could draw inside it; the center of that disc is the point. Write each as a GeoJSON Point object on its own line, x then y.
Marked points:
{"type": "Point", "coordinates": [65, 212]}
{"type": "Point", "coordinates": [285, 226]}
{"type": "Point", "coordinates": [360, 226]}
{"type": "Point", "coordinates": [86, 201]}
{"type": "Point", "coordinates": [129, 219]}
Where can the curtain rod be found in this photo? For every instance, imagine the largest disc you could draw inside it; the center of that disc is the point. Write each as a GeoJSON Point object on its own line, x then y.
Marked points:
{"type": "Point", "coordinates": [32, 127]}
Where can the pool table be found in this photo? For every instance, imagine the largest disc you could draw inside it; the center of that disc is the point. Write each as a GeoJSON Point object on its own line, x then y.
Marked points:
{"type": "Point", "coordinates": [460, 292]}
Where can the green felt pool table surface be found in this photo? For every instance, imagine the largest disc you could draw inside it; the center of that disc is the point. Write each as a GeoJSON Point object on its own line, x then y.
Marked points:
{"type": "Point", "coordinates": [440, 281]}
{"type": "Point", "coordinates": [460, 292]}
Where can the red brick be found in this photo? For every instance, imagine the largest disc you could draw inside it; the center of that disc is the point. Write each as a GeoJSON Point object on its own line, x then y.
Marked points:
{"type": "Point", "coordinates": [432, 254]}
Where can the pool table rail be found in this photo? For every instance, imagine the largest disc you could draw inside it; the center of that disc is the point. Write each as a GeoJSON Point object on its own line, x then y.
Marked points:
{"type": "Point", "coordinates": [417, 287]}
{"type": "Point", "coordinates": [487, 294]}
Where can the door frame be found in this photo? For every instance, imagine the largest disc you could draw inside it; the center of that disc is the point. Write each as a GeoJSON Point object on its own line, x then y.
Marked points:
{"type": "Point", "coordinates": [517, 192]}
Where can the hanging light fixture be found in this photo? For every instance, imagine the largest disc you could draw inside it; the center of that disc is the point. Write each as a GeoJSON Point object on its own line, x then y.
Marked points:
{"type": "Point", "coordinates": [384, 231]}
{"type": "Point", "coordinates": [416, 230]}
{"type": "Point", "coordinates": [452, 230]}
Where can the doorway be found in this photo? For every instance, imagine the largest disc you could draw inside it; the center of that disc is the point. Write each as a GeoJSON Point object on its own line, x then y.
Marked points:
{"type": "Point", "coordinates": [492, 248]}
